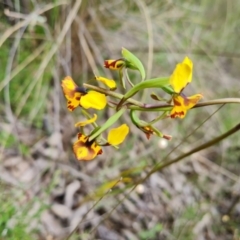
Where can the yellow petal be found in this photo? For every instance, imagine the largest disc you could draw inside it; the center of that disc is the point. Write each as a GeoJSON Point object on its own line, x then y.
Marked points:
{"type": "Point", "coordinates": [70, 91]}
{"type": "Point", "coordinates": [68, 84]}
{"type": "Point", "coordinates": [182, 104]}
{"type": "Point", "coordinates": [84, 123]}
{"type": "Point", "coordinates": [114, 64]}
{"type": "Point", "coordinates": [94, 100]}
{"type": "Point", "coordinates": [74, 102]}
{"type": "Point", "coordinates": [117, 135]}
{"type": "Point", "coordinates": [182, 75]}
{"type": "Point", "coordinates": [109, 82]}
{"type": "Point", "coordinates": [84, 150]}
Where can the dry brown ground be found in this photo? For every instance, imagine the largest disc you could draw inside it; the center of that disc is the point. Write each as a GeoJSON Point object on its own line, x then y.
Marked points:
{"type": "Point", "coordinates": [197, 198]}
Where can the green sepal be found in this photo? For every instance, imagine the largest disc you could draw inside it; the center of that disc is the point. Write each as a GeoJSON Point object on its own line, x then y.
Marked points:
{"type": "Point", "coordinates": [133, 62]}
{"type": "Point", "coordinates": [122, 80]}
{"type": "Point", "coordinates": [130, 65]}
{"type": "Point", "coordinates": [107, 124]}
{"type": "Point", "coordinates": [151, 83]}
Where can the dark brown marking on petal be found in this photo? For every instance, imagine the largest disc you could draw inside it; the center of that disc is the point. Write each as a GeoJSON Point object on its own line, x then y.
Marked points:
{"type": "Point", "coordinates": [90, 143]}
{"type": "Point", "coordinates": [71, 107]}
{"type": "Point", "coordinates": [175, 114]}
{"type": "Point", "coordinates": [77, 98]}
{"type": "Point", "coordinates": [176, 103]}
{"type": "Point", "coordinates": [114, 64]}
{"type": "Point", "coordinates": [100, 152]}
{"type": "Point", "coordinates": [119, 65]}
{"type": "Point", "coordinates": [91, 152]}
{"type": "Point", "coordinates": [106, 64]}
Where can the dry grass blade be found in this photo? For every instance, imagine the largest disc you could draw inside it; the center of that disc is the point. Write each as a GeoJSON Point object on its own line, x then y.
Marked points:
{"type": "Point", "coordinates": [22, 65]}
{"type": "Point", "coordinates": [28, 20]}
{"type": "Point", "coordinates": [71, 16]}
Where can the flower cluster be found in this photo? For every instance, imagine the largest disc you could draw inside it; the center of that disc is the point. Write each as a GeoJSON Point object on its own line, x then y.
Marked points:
{"type": "Point", "coordinates": [88, 146]}
{"type": "Point", "coordinates": [182, 76]}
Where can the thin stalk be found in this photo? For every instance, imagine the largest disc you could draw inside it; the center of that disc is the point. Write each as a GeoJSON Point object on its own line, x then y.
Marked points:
{"type": "Point", "coordinates": [128, 79]}
{"type": "Point", "coordinates": [197, 149]}
{"type": "Point", "coordinates": [164, 114]}
{"type": "Point", "coordinates": [86, 114]}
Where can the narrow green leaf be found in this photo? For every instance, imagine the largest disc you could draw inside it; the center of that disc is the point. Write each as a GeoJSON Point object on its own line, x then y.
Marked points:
{"type": "Point", "coordinates": [134, 62]}
{"type": "Point", "coordinates": [107, 124]}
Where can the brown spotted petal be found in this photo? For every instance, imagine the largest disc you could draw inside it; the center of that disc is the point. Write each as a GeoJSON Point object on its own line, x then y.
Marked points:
{"type": "Point", "coordinates": [85, 150]}
{"type": "Point", "coordinates": [114, 64]}
{"type": "Point", "coordinates": [70, 90]}
{"type": "Point", "coordinates": [182, 104]}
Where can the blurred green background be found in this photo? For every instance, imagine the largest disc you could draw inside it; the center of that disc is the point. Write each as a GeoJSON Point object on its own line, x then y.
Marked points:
{"type": "Point", "coordinates": [46, 193]}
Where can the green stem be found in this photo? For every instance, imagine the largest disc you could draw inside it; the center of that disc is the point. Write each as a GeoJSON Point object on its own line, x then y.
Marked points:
{"type": "Point", "coordinates": [128, 79]}
{"type": "Point", "coordinates": [86, 114]}
{"type": "Point", "coordinates": [197, 149]}
{"type": "Point", "coordinates": [218, 101]}
{"type": "Point", "coordinates": [164, 114]}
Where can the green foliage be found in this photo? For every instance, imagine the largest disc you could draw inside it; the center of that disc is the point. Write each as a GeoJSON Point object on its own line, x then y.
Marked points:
{"type": "Point", "coordinates": [134, 62]}
{"type": "Point", "coordinates": [7, 140]}
{"type": "Point", "coordinates": [186, 221]}
{"type": "Point", "coordinates": [151, 233]}
{"type": "Point", "coordinates": [13, 222]}
{"type": "Point", "coordinates": [20, 85]}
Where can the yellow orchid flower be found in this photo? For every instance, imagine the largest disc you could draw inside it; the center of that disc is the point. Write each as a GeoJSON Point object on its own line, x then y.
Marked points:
{"type": "Point", "coordinates": [182, 75]}
{"type": "Point", "coordinates": [182, 104]}
{"type": "Point", "coordinates": [114, 64]}
{"type": "Point", "coordinates": [108, 82]}
{"type": "Point", "coordinates": [88, 150]}
{"type": "Point", "coordinates": [86, 122]}
{"type": "Point", "coordinates": [77, 96]}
